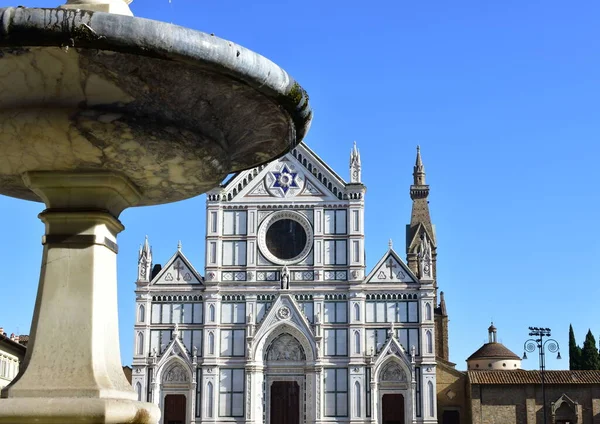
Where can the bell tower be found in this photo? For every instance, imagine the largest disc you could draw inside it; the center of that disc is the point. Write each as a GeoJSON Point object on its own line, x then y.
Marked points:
{"type": "Point", "coordinates": [420, 233]}
{"type": "Point", "coordinates": [421, 251]}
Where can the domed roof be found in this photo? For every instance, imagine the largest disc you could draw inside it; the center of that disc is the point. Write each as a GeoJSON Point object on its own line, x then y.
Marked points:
{"type": "Point", "coordinates": [493, 351]}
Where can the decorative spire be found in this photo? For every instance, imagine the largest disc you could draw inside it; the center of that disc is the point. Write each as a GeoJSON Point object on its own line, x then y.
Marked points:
{"type": "Point", "coordinates": [179, 246]}
{"type": "Point", "coordinates": [355, 167]}
{"type": "Point", "coordinates": [419, 169]}
{"type": "Point", "coordinates": [390, 244]}
{"type": "Point", "coordinates": [144, 262]}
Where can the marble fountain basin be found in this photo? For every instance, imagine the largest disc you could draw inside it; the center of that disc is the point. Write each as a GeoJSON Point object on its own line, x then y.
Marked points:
{"type": "Point", "coordinates": [172, 109]}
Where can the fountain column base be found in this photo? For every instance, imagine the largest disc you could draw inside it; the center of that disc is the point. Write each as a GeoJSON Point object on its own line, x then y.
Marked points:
{"type": "Point", "coordinates": [72, 369]}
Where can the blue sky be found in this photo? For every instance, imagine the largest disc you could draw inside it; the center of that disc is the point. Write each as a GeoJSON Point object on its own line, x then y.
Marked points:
{"type": "Point", "coordinates": [502, 97]}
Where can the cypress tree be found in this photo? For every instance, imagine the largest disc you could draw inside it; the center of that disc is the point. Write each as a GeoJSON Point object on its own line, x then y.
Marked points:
{"type": "Point", "coordinates": [590, 358]}
{"type": "Point", "coordinates": [574, 351]}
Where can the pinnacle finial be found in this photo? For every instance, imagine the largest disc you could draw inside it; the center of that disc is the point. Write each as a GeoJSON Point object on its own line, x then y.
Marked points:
{"type": "Point", "coordinates": [179, 245]}
{"type": "Point", "coordinates": [390, 244]}
{"type": "Point", "coordinates": [419, 169]}
{"type": "Point", "coordinates": [354, 164]}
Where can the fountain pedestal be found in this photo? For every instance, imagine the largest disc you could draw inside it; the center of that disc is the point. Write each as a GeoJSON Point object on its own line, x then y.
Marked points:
{"type": "Point", "coordinates": [73, 365]}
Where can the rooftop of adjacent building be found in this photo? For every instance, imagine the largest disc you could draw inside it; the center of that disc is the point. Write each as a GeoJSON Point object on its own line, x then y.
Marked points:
{"type": "Point", "coordinates": [12, 342]}
{"type": "Point", "coordinates": [533, 377]}
{"type": "Point", "coordinates": [22, 339]}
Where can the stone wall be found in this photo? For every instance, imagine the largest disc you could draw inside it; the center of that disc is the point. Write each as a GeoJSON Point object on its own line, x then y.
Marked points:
{"type": "Point", "coordinates": [522, 403]}
{"type": "Point", "coordinates": [441, 335]}
{"type": "Point", "coordinates": [451, 391]}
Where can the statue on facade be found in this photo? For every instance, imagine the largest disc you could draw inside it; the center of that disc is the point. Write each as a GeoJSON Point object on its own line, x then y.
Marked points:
{"type": "Point", "coordinates": [285, 278]}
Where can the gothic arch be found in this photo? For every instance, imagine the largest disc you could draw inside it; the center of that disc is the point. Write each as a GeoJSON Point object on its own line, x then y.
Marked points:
{"type": "Point", "coordinates": [138, 391]}
{"type": "Point", "coordinates": [564, 408]}
{"type": "Point", "coordinates": [386, 365]}
{"type": "Point", "coordinates": [140, 344]}
{"type": "Point", "coordinates": [211, 343]}
{"type": "Point", "coordinates": [357, 399]}
{"type": "Point", "coordinates": [431, 398]}
{"type": "Point", "coordinates": [284, 347]}
{"type": "Point", "coordinates": [306, 342]}
{"type": "Point", "coordinates": [357, 347]}
{"type": "Point", "coordinates": [209, 399]}
{"type": "Point", "coordinates": [428, 342]}
{"type": "Point", "coordinates": [356, 312]}
{"type": "Point", "coordinates": [175, 361]}
{"type": "Point", "coordinates": [141, 313]}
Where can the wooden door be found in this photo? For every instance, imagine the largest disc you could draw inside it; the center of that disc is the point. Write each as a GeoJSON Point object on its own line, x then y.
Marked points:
{"type": "Point", "coordinates": [285, 402]}
{"type": "Point", "coordinates": [451, 417]}
{"type": "Point", "coordinates": [392, 410]}
{"type": "Point", "coordinates": [174, 409]}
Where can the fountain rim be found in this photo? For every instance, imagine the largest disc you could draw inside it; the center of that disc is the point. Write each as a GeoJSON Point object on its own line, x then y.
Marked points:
{"type": "Point", "coordinates": [41, 27]}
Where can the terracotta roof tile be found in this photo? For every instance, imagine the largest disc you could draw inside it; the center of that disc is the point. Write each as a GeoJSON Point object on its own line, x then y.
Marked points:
{"type": "Point", "coordinates": [493, 350]}
{"type": "Point", "coordinates": [533, 377]}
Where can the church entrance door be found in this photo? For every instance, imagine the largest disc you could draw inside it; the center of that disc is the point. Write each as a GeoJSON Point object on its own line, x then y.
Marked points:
{"type": "Point", "coordinates": [285, 402]}
{"type": "Point", "coordinates": [174, 409]}
{"type": "Point", "coordinates": [392, 410]}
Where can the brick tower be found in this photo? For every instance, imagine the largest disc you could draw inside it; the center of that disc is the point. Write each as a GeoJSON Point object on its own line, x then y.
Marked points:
{"type": "Point", "coordinates": [419, 233]}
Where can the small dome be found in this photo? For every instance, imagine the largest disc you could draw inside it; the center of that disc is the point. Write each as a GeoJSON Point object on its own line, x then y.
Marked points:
{"type": "Point", "coordinates": [493, 351]}
{"type": "Point", "coordinates": [493, 355]}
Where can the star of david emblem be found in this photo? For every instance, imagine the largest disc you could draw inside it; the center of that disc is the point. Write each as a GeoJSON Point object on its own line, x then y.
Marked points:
{"type": "Point", "coordinates": [285, 179]}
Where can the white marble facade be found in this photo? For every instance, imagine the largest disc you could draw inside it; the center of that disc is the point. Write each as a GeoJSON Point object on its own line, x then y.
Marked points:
{"type": "Point", "coordinates": [285, 310]}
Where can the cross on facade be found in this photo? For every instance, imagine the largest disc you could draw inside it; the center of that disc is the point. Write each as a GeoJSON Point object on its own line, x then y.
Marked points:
{"type": "Point", "coordinates": [178, 267]}
{"type": "Point", "coordinates": [391, 265]}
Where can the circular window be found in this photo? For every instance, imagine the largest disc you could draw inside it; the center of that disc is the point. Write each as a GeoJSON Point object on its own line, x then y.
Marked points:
{"type": "Point", "coordinates": [285, 237]}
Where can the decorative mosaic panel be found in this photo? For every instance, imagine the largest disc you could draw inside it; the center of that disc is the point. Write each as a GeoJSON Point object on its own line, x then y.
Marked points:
{"type": "Point", "coordinates": [303, 276]}
{"type": "Point", "coordinates": [335, 275]}
{"type": "Point", "coordinates": [267, 276]}
{"type": "Point", "coordinates": [233, 276]}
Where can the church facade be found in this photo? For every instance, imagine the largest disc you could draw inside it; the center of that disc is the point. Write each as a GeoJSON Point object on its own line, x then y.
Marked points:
{"type": "Point", "coordinates": [286, 324]}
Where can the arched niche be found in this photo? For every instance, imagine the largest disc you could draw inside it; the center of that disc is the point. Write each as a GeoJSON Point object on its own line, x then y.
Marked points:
{"type": "Point", "coordinates": [285, 348]}
{"type": "Point", "coordinates": [290, 328]}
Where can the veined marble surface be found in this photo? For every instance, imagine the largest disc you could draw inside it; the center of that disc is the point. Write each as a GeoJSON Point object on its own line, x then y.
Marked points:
{"type": "Point", "coordinates": [173, 110]}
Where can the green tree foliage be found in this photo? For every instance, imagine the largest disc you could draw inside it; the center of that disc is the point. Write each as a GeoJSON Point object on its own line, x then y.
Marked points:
{"type": "Point", "coordinates": [574, 351]}
{"type": "Point", "coordinates": [590, 359]}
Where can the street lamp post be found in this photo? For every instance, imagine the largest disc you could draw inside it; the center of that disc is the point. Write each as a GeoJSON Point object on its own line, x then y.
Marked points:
{"type": "Point", "coordinates": [539, 343]}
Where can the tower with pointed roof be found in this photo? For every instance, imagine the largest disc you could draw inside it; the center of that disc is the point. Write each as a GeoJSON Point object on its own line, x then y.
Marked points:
{"type": "Point", "coordinates": [421, 250]}
{"type": "Point", "coordinates": [287, 324]}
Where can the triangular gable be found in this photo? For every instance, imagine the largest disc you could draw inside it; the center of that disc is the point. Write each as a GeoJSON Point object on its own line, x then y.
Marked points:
{"type": "Point", "coordinates": [178, 270]}
{"type": "Point", "coordinates": [393, 348]}
{"type": "Point", "coordinates": [564, 399]}
{"type": "Point", "coordinates": [391, 269]}
{"type": "Point", "coordinates": [284, 308]}
{"type": "Point", "coordinates": [415, 241]}
{"type": "Point", "coordinates": [288, 177]}
{"type": "Point", "coordinates": [176, 348]}
{"type": "Point", "coordinates": [284, 316]}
